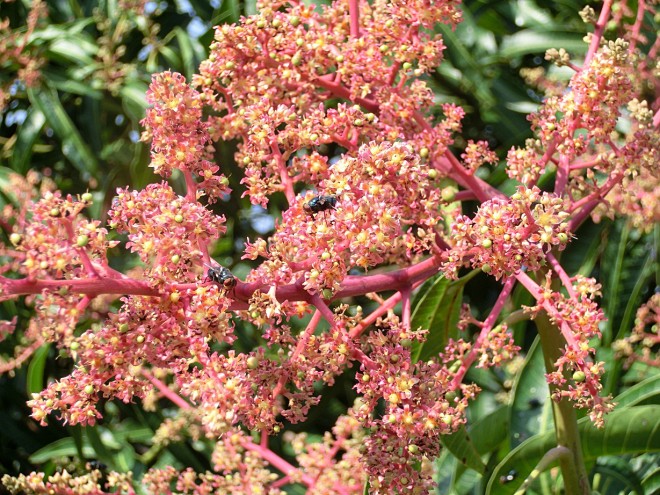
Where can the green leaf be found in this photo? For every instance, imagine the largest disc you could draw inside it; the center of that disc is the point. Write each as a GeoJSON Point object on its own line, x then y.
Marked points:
{"type": "Point", "coordinates": [134, 99]}
{"type": "Point", "coordinates": [489, 432]}
{"type": "Point", "coordinates": [616, 475]}
{"type": "Point", "coordinates": [461, 446]}
{"type": "Point", "coordinates": [581, 254]}
{"type": "Point", "coordinates": [187, 55]}
{"type": "Point", "coordinates": [76, 50]}
{"type": "Point", "coordinates": [530, 393]}
{"type": "Point", "coordinates": [171, 56]}
{"type": "Point", "coordinates": [482, 437]}
{"type": "Point", "coordinates": [627, 431]}
{"type": "Point", "coordinates": [528, 42]}
{"type": "Point", "coordinates": [651, 482]}
{"type": "Point", "coordinates": [437, 308]}
{"type": "Point", "coordinates": [644, 392]}
{"type": "Point", "coordinates": [64, 447]}
{"type": "Point", "coordinates": [35, 374]}
{"type": "Point", "coordinates": [26, 137]}
{"type": "Point", "coordinates": [102, 453]}
{"type": "Point", "coordinates": [73, 145]}
{"type": "Point", "coordinates": [73, 82]}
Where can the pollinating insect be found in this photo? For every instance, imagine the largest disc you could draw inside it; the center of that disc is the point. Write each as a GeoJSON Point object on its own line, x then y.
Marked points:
{"type": "Point", "coordinates": [320, 203]}
{"type": "Point", "coordinates": [221, 275]}
{"type": "Point", "coordinates": [509, 477]}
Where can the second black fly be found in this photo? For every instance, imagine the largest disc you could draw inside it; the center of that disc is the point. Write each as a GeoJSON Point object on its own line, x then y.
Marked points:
{"type": "Point", "coordinates": [320, 203]}
{"type": "Point", "coordinates": [221, 275]}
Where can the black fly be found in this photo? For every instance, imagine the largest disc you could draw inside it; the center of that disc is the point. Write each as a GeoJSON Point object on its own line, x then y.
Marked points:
{"type": "Point", "coordinates": [509, 477]}
{"type": "Point", "coordinates": [320, 203]}
{"type": "Point", "coordinates": [221, 275]}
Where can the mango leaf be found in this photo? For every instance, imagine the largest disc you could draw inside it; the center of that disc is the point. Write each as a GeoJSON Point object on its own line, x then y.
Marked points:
{"type": "Point", "coordinates": [26, 137]}
{"type": "Point", "coordinates": [187, 54]}
{"type": "Point", "coordinates": [651, 482]}
{"type": "Point", "coordinates": [102, 453]}
{"type": "Point", "coordinates": [625, 261]}
{"type": "Point", "coordinates": [73, 81]}
{"type": "Point", "coordinates": [134, 100]}
{"type": "Point", "coordinates": [645, 392]}
{"type": "Point", "coordinates": [437, 308]}
{"type": "Point", "coordinates": [35, 374]}
{"type": "Point", "coordinates": [468, 447]}
{"type": "Point", "coordinates": [76, 50]}
{"type": "Point", "coordinates": [628, 430]}
{"type": "Point", "coordinates": [616, 475]}
{"type": "Point", "coordinates": [530, 392]}
{"type": "Point", "coordinates": [533, 42]}
{"type": "Point", "coordinates": [64, 447]}
{"type": "Point", "coordinates": [462, 447]}
{"type": "Point", "coordinates": [73, 145]}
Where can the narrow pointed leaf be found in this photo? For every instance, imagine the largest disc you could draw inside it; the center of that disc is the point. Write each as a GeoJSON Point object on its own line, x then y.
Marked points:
{"type": "Point", "coordinates": [73, 145]}
{"type": "Point", "coordinates": [627, 430]}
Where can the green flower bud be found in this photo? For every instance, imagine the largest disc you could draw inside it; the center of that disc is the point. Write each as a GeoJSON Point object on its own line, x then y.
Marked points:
{"type": "Point", "coordinates": [448, 194]}
{"type": "Point", "coordinates": [252, 362]}
{"type": "Point", "coordinates": [82, 240]}
{"type": "Point", "coordinates": [86, 197]}
{"type": "Point", "coordinates": [579, 376]}
{"type": "Point", "coordinates": [15, 238]}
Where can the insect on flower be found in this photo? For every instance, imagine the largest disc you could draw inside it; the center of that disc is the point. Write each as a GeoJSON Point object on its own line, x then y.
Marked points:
{"type": "Point", "coordinates": [221, 275]}
{"type": "Point", "coordinates": [320, 203]}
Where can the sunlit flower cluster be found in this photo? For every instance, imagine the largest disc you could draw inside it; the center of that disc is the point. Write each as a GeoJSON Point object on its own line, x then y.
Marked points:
{"type": "Point", "coordinates": [508, 235]}
{"type": "Point", "coordinates": [644, 342]}
{"type": "Point", "coordinates": [168, 231]}
{"type": "Point", "coordinates": [374, 205]}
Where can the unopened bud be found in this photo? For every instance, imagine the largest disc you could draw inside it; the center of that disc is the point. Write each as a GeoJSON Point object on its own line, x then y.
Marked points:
{"type": "Point", "coordinates": [82, 240]}
{"type": "Point", "coordinates": [252, 362]}
{"type": "Point", "coordinates": [15, 238]}
{"type": "Point", "coordinates": [579, 376]}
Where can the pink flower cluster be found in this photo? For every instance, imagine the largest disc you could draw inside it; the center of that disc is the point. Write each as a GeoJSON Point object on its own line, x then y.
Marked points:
{"type": "Point", "coordinates": [390, 218]}
{"type": "Point", "coordinates": [509, 235]}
